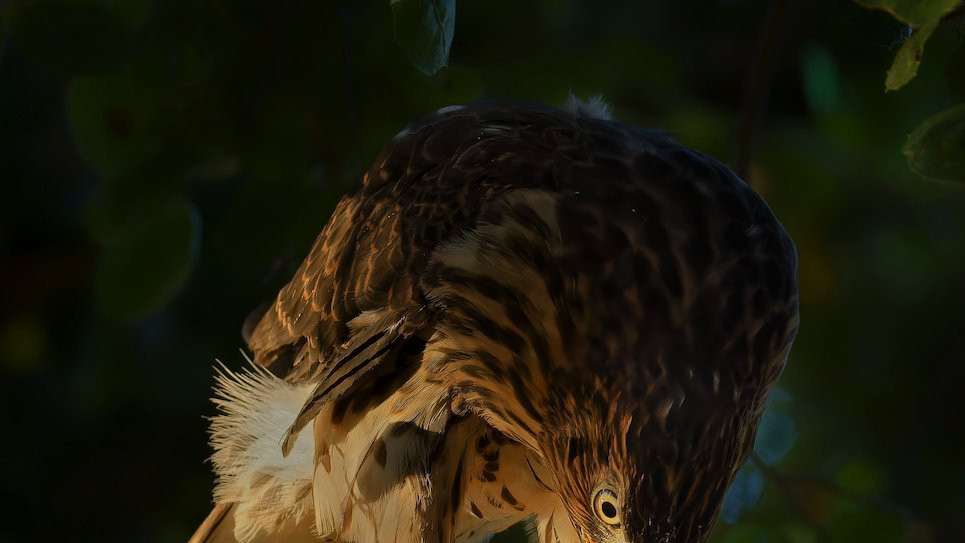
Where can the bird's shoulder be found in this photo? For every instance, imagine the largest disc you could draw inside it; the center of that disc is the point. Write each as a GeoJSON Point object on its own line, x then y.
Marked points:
{"type": "Point", "coordinates": [434, 179]}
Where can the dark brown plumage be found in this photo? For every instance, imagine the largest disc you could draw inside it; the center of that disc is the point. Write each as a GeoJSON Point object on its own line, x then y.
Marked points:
{"type": "Point", "coordinates": [614, 304]}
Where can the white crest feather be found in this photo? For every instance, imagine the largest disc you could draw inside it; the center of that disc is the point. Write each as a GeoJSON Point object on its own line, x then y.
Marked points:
{"type": "Point", "coordinates": [256, 410]}
{"type": "Point", "coordinates": [593, 106]}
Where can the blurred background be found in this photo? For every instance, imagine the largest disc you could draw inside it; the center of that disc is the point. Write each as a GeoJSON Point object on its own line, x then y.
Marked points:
{"type": "Point", "coordinates": [166, 165]}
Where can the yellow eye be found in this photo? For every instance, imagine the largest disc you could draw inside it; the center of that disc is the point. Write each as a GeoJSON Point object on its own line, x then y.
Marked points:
{"type": "Point", "coordinates": [607, 506]}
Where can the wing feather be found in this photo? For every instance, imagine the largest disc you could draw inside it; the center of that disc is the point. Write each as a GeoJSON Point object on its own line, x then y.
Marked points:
{"type": "Point", "coordinates": [380, 334]}
{"type": "Point", "coordinates": [434, 180]}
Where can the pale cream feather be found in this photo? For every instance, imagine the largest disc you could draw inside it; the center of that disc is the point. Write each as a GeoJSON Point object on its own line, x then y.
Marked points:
{"type": "Point", "coordinates": [256, 409]}
{"type": "Point", "coordinates": [347, 495]}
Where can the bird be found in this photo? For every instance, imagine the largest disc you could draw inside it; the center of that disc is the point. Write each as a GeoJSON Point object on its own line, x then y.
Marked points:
{"type": "Point", "coordinates": [524, 314]}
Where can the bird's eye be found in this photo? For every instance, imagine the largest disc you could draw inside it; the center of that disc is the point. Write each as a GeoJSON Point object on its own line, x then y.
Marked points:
{"type": "Point", "coordinates": [607, 506]}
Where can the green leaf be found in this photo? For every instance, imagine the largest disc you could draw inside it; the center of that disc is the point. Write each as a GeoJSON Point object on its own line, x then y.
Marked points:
{"type": "Point", "coordinates": [924, 15]}
{"type": "Point", "coordinates": [117, 208]}
{"type": "Point", "coordinates": [138, 274]}
{"type": "Point", "coordinates": [955, 71]}
{"type": "Point", "coordinates": [905, 66]}
{"type": "Point", "coordinates": [936, 149]}
{"type": "Point", "coordinates": [874, 25]}
{"type": "Point", "coordinates": [110, 121]}
{"type": "Point", "coordinates": [424, 30]}
{"type": "Point", "coordinates": [916, 13]}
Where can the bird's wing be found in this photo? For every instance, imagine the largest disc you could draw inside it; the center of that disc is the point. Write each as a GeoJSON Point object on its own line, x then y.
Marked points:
{"type": "Point", "coordinates": [431, 181]}
{"type": "Point", "coordinates": [367, 257]}
{"type": "Point", "coordinates": [357, 297]}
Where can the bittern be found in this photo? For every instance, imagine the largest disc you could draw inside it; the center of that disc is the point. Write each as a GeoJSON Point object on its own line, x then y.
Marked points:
{"type": "Point", "coordinates": [524, 313]}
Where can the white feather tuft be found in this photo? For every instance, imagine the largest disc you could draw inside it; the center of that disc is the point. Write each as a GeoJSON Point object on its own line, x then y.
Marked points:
{"type": "Point", "coordinates": [594, 107]}
{"type": "Point", "coordinates": [256, 410]}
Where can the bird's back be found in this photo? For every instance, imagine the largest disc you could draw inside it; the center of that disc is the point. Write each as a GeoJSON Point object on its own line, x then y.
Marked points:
{"type": "Point", "coordinates": [435, 180]}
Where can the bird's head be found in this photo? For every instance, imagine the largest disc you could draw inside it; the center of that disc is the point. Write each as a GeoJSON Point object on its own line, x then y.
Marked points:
{"type": "Point", "coordinates": [631, 473]}
{"type": "Point", "coordinates": [629, 335]}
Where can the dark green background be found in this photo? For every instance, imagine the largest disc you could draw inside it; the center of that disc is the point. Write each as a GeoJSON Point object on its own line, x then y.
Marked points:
{"type": "Point", "coordinates": [165, 166]}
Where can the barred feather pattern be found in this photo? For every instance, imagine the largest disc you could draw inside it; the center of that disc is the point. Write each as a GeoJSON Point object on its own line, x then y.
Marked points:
{"type": "Point", "coordinates": [599, 296]}
{"type": "Point", "coordinates": [402, 469]}
{"type": "Point", "coordinates": [372, 475]}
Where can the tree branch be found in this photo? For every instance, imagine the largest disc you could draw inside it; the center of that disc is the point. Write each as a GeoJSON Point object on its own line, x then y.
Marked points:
{"type": "Point", "coordinates": [787, 482]}
{"type": "Point", "coordinates": [754, 102]}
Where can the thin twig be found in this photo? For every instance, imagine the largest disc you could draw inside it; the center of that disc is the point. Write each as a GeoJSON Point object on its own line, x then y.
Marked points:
{"type": "Point", "coordinates": [756, 92]}
{"type": "Point", "coordinates": [871, 502]}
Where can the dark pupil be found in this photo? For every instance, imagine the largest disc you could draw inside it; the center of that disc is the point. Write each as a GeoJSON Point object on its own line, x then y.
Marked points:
{"type": "Point", "coordinates": [608, 510]}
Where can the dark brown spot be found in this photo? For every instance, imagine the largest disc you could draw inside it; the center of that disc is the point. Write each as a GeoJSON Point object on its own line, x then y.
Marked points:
{"type": "Point", "coordinates": [475, 372]}
{"type": "Point", "coordinates": [475, 510]}
{"type": "Point", "coordinates": [490, 362]}
{"type": "Point", "coordinates": [338, 410]}
{"type": "Point", "coordinates": [528, 217]}
{"type": "Point", "coordinates": [325, 459]}
{"type": "Point", "coordinates": [512, 416]}
{"type": "Point", "coordinates": [347, 516]}
{"type": "Point", "coordinates": [456, 495]}
{"type": "Point", "coordinates": [380, 452]}
{"type": "Point", "coordinates": [574, 448]}
{"type": "Point", "coordinates": [489, 328]}
{"type": "Point", "coordinates": [538, 480]}
{"type": "Point", "coordinates": [523, 394]}
{"type": "Point", "coordinates": [508, 496]}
